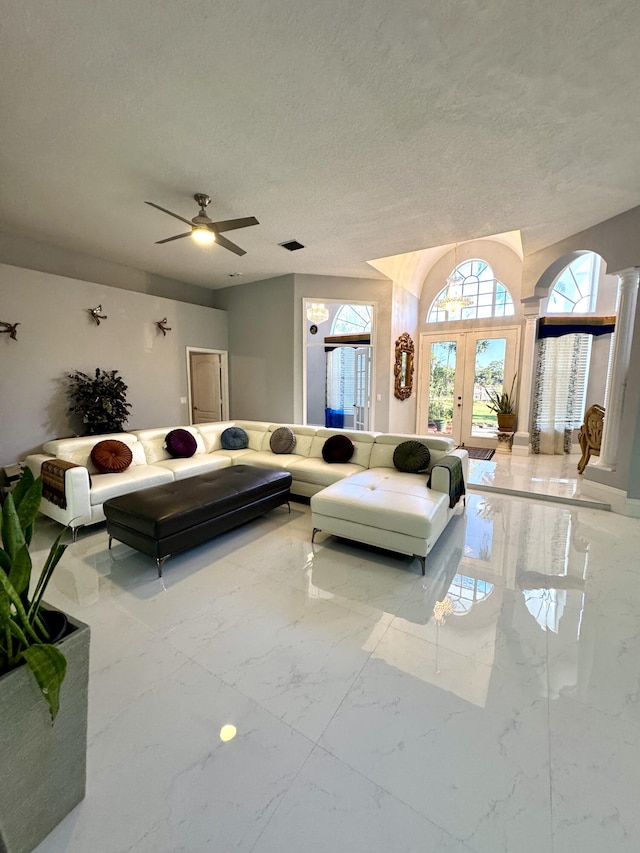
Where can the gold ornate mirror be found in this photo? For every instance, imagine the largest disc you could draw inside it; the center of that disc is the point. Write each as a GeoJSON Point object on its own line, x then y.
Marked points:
{"type": "Point", "coordinates": [403, 370]}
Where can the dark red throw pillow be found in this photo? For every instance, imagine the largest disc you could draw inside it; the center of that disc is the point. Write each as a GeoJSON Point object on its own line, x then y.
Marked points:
{"type": "Point", "coordinates": [338, 448]}
{"type": "Point", "coordinates": [181, 444]}
{"type": "Point", "coordinates": [111, 456]}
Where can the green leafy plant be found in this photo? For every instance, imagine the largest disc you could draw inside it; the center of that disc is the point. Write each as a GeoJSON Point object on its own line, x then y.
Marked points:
{"type": "Point", "coordinates": [503, 403]}
{"type": "Point", "coordinates": [24, 635]}
{"type": "Point", "coordinates": [99, 400]}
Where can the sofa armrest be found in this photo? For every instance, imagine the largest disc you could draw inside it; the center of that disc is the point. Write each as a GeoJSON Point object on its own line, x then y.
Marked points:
{"type": "Point", "coordinates": [440, 476]}
{"type": "Point", "coordinates": [76, 487]}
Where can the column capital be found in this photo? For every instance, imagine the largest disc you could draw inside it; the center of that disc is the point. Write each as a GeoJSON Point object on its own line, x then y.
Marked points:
{"type": "Point", "coordinates": [629, 277]}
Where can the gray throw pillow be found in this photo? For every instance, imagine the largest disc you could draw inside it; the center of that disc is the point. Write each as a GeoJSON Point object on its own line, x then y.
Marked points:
{"type": "Point", "coordinates": [411, 457]}
{"type": "Point", "coordinates": [283, 440]}
{"type": "Point", "coordinates": [234, 438]}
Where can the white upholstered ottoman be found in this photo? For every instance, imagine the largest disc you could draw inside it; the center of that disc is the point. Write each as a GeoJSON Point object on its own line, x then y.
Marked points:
{"type": "Point", "coordinates": [383, 507]}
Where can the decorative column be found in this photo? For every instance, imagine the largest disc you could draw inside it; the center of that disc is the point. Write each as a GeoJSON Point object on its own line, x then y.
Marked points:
{"type": "Point", "coordinates": [522, 439]}
{"type": "Point", "coordinates": [625, 316]}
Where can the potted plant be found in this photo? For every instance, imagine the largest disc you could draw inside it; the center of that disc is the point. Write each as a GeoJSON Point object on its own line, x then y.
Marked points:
{"type": "Point", "coordinates": [437, 414]}
{"type": "Point", "coordinates": [503, 404]}
{"type": "Point", "coordinates": [44, 674]}
{"type": "Point", "coordinates": [99, 400]}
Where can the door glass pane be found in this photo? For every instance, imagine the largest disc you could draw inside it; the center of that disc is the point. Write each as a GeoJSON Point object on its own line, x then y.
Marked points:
{"type": "Point", "coordinates": [441, 381]}
{"type": "Point", "coordinates": [489, 376]}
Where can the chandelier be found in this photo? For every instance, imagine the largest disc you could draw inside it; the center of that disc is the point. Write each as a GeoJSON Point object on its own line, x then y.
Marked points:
{"type": "Point", "coordinates": [317, 313]}
{"type": "Point", "coordinates": [453, 301]}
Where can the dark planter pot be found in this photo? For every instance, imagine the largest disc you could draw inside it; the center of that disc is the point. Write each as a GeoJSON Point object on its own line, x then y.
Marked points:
{"type": "Point", "coordinates": [43, 766]}
{"type": "Point", "coordinates": [506, 423]}
{"type": "Point", "coordinates": [439, 424]}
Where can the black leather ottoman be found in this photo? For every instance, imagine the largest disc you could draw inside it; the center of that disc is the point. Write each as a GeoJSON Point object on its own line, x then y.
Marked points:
{"type": "Point", "coordinates": [167, 519]}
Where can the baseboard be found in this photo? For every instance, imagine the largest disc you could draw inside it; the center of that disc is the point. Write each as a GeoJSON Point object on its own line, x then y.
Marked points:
{"type": "Point", "coordinates": [617, 498]}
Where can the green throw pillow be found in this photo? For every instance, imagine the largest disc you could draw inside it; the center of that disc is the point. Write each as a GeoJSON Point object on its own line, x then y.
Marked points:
{"type": "Point", "coordinates": [411, 457]}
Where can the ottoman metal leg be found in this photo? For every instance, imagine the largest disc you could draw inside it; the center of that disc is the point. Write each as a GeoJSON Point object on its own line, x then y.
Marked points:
{"type": "Point", "coordinates": [110, 541]}
{"type": "Point", "coordinates": [159, 562]}
{"type": "Point", "coordinates": [313, 535]}
{"type": "Point", "coordinates": [422, 562]}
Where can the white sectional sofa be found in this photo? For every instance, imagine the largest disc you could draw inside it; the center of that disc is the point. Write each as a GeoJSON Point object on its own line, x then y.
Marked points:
{"type": "Point", "coordinates": [376, 494]}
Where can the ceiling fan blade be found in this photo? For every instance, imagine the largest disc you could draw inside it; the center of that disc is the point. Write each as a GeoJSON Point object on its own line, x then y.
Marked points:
{"type": "Point", "coordinates": [231, 224]}
{"type": "Point", "coordinates": [164, 210]}
{"type": "Point", "coordinates": [227, 244]}
{"type": "Point", "coordinates": [177, 237]}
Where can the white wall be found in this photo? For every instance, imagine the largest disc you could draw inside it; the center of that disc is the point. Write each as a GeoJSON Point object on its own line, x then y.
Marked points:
{"type": "Point", "coordinates": [404, 318]}
{"type": "Point", "coordinates": [57, 336]}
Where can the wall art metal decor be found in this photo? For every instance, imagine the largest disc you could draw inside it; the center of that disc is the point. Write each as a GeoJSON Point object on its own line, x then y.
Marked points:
{"type": "Point", "coordinates": [162, 325]}
{"type": "Point", "coordinates": [10, 329]}
{"type": "Point", "coordinates": [97, 314]}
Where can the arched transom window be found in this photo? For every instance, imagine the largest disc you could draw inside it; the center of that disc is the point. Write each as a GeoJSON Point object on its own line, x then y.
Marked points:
{"type": "Point", "coordinates": [351, 319]}
{"type": "Point", "coordinates": [576, 286]}
{"type": "Point", "coordinates": [475, 293]}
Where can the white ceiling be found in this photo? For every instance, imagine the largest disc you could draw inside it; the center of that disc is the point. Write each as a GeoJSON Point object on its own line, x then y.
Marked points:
{"type": "Point", "coordinates": [362, 129]}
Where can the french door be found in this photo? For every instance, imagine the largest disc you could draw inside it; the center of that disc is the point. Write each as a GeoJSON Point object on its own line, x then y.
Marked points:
{"type": "Point", "coordinates": [456, 372]}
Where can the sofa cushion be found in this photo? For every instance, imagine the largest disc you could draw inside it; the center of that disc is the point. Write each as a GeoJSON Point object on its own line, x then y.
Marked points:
{"type": "Point", "coordinates": [78, 449]}
{"type": "Point", "coordinates": [181, 444]}
{"type": "Point", "coordinates": [386, 443]}
{"type": "Point", "coordinates": [234, 438]}
{"type": "Point", "coordinates": [105, 486]}
{"type": "Point", "coordinates": [387, 500]}
{"type": "Point", "coordinates": [317, 472]}
{"type": "Point", "coordinates": [338, 448]}
{"type": "Point", "coordinates": [111, 456]}
{"type": "Point", "coordinates": [411, 457]}
{"type": "Point", "coordinates": [282, 440]}
{"type": "Point", "coordinates": [201, 463]}
{"type": "Point", "coordinates": [267, 459]}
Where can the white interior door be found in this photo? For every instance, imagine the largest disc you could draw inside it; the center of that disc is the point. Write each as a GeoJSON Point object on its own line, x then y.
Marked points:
{"type": "Point", "coordinates": [456, 372]}
{"type": "Point", "coordinates": [206, 384]}
{"type": "Point", "coordinates": [362, 391]}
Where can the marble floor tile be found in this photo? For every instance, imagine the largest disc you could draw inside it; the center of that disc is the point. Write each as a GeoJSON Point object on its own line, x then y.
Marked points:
{"type": "Point", "coordinates": [331, 807]}
{"type": "Point", "coordinates": [491, 706]}
{"type": "Point", "coordinates": [595, 779]}
{"type": "Point", "coordinates": [161, 779]}
{"type": "Point", "coordinates": [452, 738]}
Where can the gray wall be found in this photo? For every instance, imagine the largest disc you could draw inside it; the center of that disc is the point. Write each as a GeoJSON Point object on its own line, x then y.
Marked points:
{"type": "Point", "coordinates": [627, 473]}
{"type": "Point", "coordinates": [35, 255]}
{"type": "Point", "coordinates": [375, 291]}
{"type": "Point", "coordinates": [615, 240]}
{"type": "Point", "coordinates": [261, 348]}
{"type": "Point", "coordinates": [57, 336]}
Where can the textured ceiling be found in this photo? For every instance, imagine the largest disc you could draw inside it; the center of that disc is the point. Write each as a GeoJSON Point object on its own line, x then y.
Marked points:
{"type": "Point", "coordinates": [362, 129]}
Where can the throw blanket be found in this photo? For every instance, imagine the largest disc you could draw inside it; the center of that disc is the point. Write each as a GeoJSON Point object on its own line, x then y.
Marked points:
{"type": "Point", "coordinates": [52, 473]}
{"type": "Point", "coordinates": [456, 479]}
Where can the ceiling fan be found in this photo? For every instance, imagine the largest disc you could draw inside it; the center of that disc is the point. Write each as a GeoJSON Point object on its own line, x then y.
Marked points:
{"type": "Point", "coordinates": [203, 230]}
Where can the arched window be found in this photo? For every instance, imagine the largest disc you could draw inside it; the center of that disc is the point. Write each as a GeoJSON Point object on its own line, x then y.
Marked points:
{"type": "Point", "coordinates": [563, 363]}
{"type": "Point", "coordinates": [475, 294]}
{"type": "Point", "coordinates": [351, 319]}
{"type": "Point", "coordinates": [575, 289]}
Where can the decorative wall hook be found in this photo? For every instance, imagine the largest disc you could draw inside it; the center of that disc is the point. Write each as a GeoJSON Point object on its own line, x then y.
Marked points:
{"type": "Point", "coordinates": [96, 314]}
{"type": "Point", "coordinates": [162, 325]}
{"type": "Point", "coordinates": [10, 329]}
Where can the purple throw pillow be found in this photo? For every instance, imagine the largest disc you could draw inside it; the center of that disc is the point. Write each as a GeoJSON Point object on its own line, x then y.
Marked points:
{"type": "Point", "coordinates": [180, 443]}
{"type": "Point", "coordinates": [338, 448]}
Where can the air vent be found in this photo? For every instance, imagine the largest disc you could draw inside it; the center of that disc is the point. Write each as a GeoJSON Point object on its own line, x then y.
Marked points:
{"type": "Point", "coordinates": [291, 245]}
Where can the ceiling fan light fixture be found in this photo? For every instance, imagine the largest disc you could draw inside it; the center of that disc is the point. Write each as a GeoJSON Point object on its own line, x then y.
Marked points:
{"type": "Point", "coordinates": [203, 235]}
